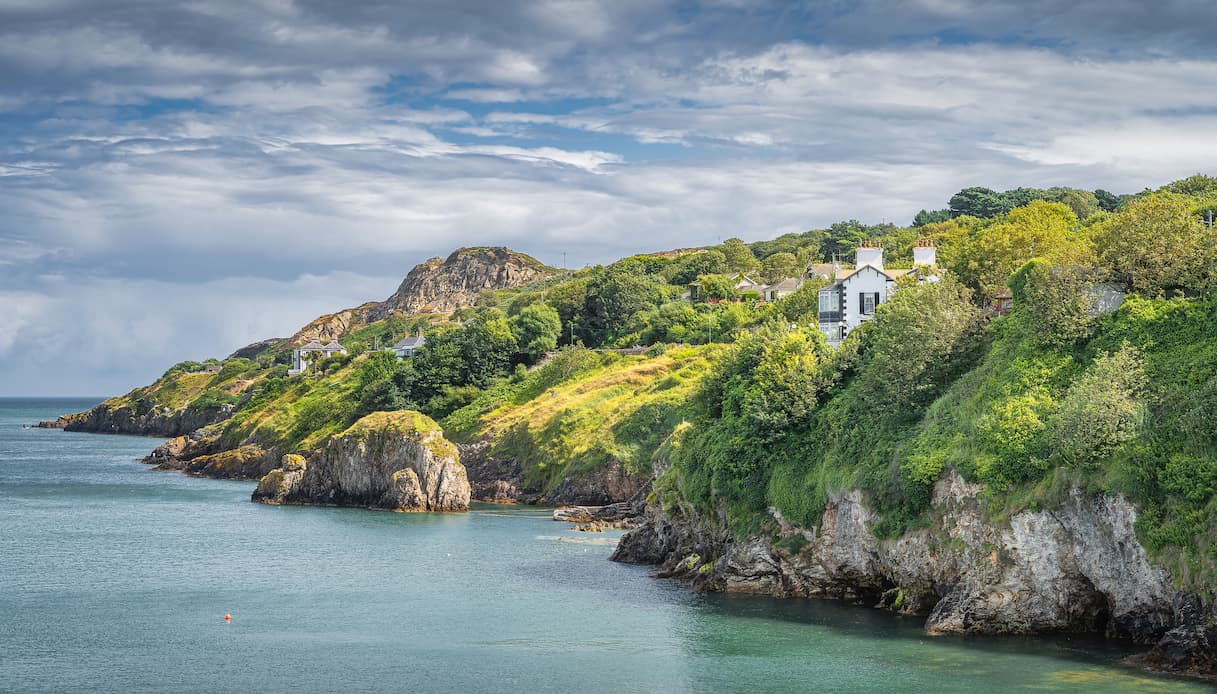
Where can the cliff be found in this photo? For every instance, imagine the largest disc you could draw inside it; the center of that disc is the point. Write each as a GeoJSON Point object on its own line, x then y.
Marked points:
{"type": "Point", "coordinates": [1075, 568]}
{"type": "Point", "coordinates": [443, 285]}
{"type": "Point", "coordinates": [397, 461]}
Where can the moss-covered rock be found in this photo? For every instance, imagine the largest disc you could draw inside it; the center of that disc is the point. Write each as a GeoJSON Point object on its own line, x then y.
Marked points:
{"type": "Point", "coordinates": [397, 461]}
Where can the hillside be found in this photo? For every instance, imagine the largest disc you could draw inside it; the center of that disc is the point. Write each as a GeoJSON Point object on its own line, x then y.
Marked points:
{"type": "Point", "coordinates": [1008, 429]}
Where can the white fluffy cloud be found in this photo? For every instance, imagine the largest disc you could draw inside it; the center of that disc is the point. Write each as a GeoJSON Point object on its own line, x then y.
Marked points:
{"type": "Point", "coordinates": [178, 180]}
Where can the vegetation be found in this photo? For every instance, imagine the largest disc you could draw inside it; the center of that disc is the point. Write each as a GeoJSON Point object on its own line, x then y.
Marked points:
{"type": "Point", "coordinates": [753, 410]}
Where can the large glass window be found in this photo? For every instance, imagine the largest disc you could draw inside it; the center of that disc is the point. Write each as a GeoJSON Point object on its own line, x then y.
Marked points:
{"type": "Point", "coordinates": [830, 301]}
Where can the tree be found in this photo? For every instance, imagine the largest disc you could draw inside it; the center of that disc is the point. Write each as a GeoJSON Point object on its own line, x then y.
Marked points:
{"type": "Point", "coordinates": [718, 287]}
{"type": "Point", "coordinates": [915, 342]}
{"type": "Point", "coordinates": [738, 255]}
{"type": "Point", "coordinates": [613, 295]}
{"type": "Point", "coordinates": [1058, 302]}
{"type": "Point", "coordinates": [536, 328]}
{"type": "Point", "coordinates": [930, 216]}
{"type": "Point", "coordinates": [1102, 409]}
{"type": "Point", "coordinates": [694, 265]}
{"type": "Point", "coordinates": [1108, 202]}
{"type": "Point", "coordinates": [487, 346]}
{"type": "Point", "coordinates": [842, 239]}
{"type": "Point", "coordinates": [977, 202]}
{"type": "Point", "coordinates": [1083, 202]}
{"type": "Point", "coordinates": [780, 266]}
{"type": "Point", "coordinates": [568, 299]}
{"type": "Point", "coordinates": [1040, 229]}
{"type": "Point", "coordinates": [1156, 244]}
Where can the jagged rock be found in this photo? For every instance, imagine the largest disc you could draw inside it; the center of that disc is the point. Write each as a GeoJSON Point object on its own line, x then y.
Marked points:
{"type": "Point", "coordinates": [388, 460]}
{"type": "Point", "coordinates": [1074, 568]}
{"type": "Point", "coordinates": [443, 285]}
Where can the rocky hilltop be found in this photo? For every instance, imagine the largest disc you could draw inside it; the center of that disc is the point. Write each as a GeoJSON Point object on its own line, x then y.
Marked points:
{"type": "Point", "coordinates": [397, 461]}
{"type": "Point", "coordinates": [443, 285]}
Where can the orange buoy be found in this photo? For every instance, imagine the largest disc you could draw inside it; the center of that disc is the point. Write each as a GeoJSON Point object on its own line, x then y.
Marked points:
{"type": "Point", "coordinates": [227, 618]}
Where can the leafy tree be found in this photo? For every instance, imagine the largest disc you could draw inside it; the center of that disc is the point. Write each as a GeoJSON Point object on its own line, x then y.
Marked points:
{"type": "Point", "coordinates": [536, 329]}
{"type": "Point", "coordinates": [688, 268]}
{"type": "Point", "coordinates": [1058, 302]}
{"type": "Point", "coordinates": [718, 287]}
{"type": "Point", "coordinates": [1108, 202]}
{"type": "Point", "coordinates": [915, 343]}
{"type": "Point", "coordinates": [613, 295]}
{"type": "Point", "coordinates": [1102, 409]}
{"type": "Point", "coordinates": [738, 255]}
{"type": "Point", "coordinates": [568, 299]}
{"type": "Point", "coordinates": [1043, 229]}
{"type": "Point", "coordinates": [931, 216]}
{"type": "Point", "coordinates": [977, 202]}
{"type": "Point", "coordinates": [1197, 185]}
{"type": "Point", "coordinates": [1083, 202]}
{"type": "Point", "coordinates": [487, 346]}
{"type": "Point", "coordinates": [1156, 244]}
{"type": "Point", "coordinates": [843, 238]}
{"type": "Point", "coordinates": [780, 266]}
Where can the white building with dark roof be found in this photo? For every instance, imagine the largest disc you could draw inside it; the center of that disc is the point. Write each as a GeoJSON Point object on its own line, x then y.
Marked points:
{"type": "Point", "coordinates": [405, 347]}
{"type": "Point", "coordinates": [306, 354]}
{"type": "Point", "coordinates": [853, 297]}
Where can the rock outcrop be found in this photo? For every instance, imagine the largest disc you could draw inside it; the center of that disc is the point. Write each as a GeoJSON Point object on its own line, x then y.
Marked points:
{"type": "Point", "coordinates": [1075, 568]}
{"type": "Point", "coordinates": [397, 461]}
{"type": "Point", "coordinates": [443, 285]}
{"type": "Point", "coordinates": [143, 419]}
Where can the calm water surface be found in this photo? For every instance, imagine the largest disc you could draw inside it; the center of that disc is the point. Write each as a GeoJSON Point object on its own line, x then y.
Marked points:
{"type": "Point", "coordinates": [114, 578]}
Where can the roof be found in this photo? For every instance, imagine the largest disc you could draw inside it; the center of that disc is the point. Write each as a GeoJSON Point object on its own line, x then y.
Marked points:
{"type": "Point", "coordinates": [333, 344]}
{"type": "Point", "coordinates": [410, 341]}
{"type": "Point", "coordinates": [788, 284]}
{"type": "Point", "coordinates": [822, 269]}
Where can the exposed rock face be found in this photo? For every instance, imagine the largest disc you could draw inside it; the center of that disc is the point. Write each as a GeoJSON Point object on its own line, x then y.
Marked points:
{"type": "Point", "coordinates": [144, 419]}
{"type": "Point", "coordinates": [200, 453]}
{"type": "Point", "coordinates": [332, 326]}
{"type": "Point", "coordinates": [398, 461]}
{"type": "Point", "coordinates": [443, 285]}
{"type": "Point", "coordinates": [501, 480]}
{"type": "Point", "coordinates": [253, 349]}
{"type": "Point", "coordinates": [1075, 568]}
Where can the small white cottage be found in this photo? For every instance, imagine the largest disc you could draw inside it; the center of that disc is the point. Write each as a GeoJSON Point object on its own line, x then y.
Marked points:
{"type": "Point", "coordinates": [405, 347]}
{"type": "Point", "coordinates": [305, 355]}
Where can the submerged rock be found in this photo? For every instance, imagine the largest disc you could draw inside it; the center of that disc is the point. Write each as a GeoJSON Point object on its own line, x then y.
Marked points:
{"type": "Point", "coordinates": [398, 461]}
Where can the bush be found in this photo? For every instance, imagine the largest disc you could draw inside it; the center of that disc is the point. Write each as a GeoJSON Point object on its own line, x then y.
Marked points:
{"type": "Point", "coordinates": [1102, 409]}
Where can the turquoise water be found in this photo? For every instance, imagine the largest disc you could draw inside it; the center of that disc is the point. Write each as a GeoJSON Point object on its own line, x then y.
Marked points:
{"type": "Point", "coordinates": [114, 578]}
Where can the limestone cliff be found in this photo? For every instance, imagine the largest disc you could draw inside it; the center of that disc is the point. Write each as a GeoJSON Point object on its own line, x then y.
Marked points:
{"type": "Point", "coordinates": [1077, 567]}
{"type": "Point", "coordinates": [443, 285]}
{"type": "Point", "coordinates": [397, 461]}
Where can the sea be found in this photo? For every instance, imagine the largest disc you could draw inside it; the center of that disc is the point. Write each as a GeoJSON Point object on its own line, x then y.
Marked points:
{"type": "Point", "coordinates": [116, 578]}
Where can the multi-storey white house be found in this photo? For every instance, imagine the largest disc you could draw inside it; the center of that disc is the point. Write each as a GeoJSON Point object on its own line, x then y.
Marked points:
{"type": "Point", "coordinates": [303, 356]}
{"type": "Point", "coordinates": [852, 298]}
{"type": "Point", "coordinates": [405, 347]}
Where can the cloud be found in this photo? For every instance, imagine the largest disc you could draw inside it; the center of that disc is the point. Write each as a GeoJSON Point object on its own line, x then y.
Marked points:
{"type": "Point", "coordinates": [179, 179]}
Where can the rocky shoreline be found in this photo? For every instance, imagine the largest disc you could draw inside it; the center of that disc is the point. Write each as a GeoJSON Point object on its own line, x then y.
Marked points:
{"type": "Point", "coordinates": [1077, 568]}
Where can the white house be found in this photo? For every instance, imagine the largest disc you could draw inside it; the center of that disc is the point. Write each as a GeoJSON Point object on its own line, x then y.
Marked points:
{"type": "Point", "coordinates": [303, 356]}
{"type": "Point", "coordinates": [405, 347]}
{"type": "Point", "coordinates": [851, 300]}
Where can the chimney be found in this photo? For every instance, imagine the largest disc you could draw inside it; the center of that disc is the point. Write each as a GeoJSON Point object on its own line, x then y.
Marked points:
{"type": "Point", "coordinates": [924, 253]}
{"type": "Point", "coordinates": [869, 253]}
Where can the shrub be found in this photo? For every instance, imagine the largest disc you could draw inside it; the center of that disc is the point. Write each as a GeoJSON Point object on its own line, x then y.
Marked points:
{"type": "Point", "coordinates": [1102, 409]}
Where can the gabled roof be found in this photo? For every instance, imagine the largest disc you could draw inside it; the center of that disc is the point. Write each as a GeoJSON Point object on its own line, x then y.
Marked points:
{"type": "Point", "coordinates": [788, 284]}
{"type": "Point", "coordinates": [333, 345]}
{"type": "Point", "coordinates": [822, 269]}
{"type": "Point", "coordinates": [410, 341]}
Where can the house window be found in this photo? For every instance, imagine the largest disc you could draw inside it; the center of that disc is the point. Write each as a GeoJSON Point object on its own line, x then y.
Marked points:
{"type": "Point", "coordinates": [830, 301]}
{"type": "Point", "coordinates": [867, 301]}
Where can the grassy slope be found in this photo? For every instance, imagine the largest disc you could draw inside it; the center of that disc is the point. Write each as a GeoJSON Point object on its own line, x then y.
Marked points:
{"type": "Point", "coordinates": [585, 409]}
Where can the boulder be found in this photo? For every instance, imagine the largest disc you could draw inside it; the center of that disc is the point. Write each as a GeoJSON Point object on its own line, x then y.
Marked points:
{"type": "Point", "coordinates": [398, 461]}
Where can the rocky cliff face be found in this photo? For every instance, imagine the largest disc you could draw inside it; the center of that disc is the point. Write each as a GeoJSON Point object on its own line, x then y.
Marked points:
{"type": "Point", "coordinates": [141, 420]}
{"type": "Point", "coordinates": [443, 285]}
{"type": "Point", "coordinates": [397, 461]}
{"type": "Point", "coordinates": [1075, 568]}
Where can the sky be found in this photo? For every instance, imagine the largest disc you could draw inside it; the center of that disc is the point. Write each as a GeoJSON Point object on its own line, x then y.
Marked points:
{"type": "Point", "coordinates": [178, 179]}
